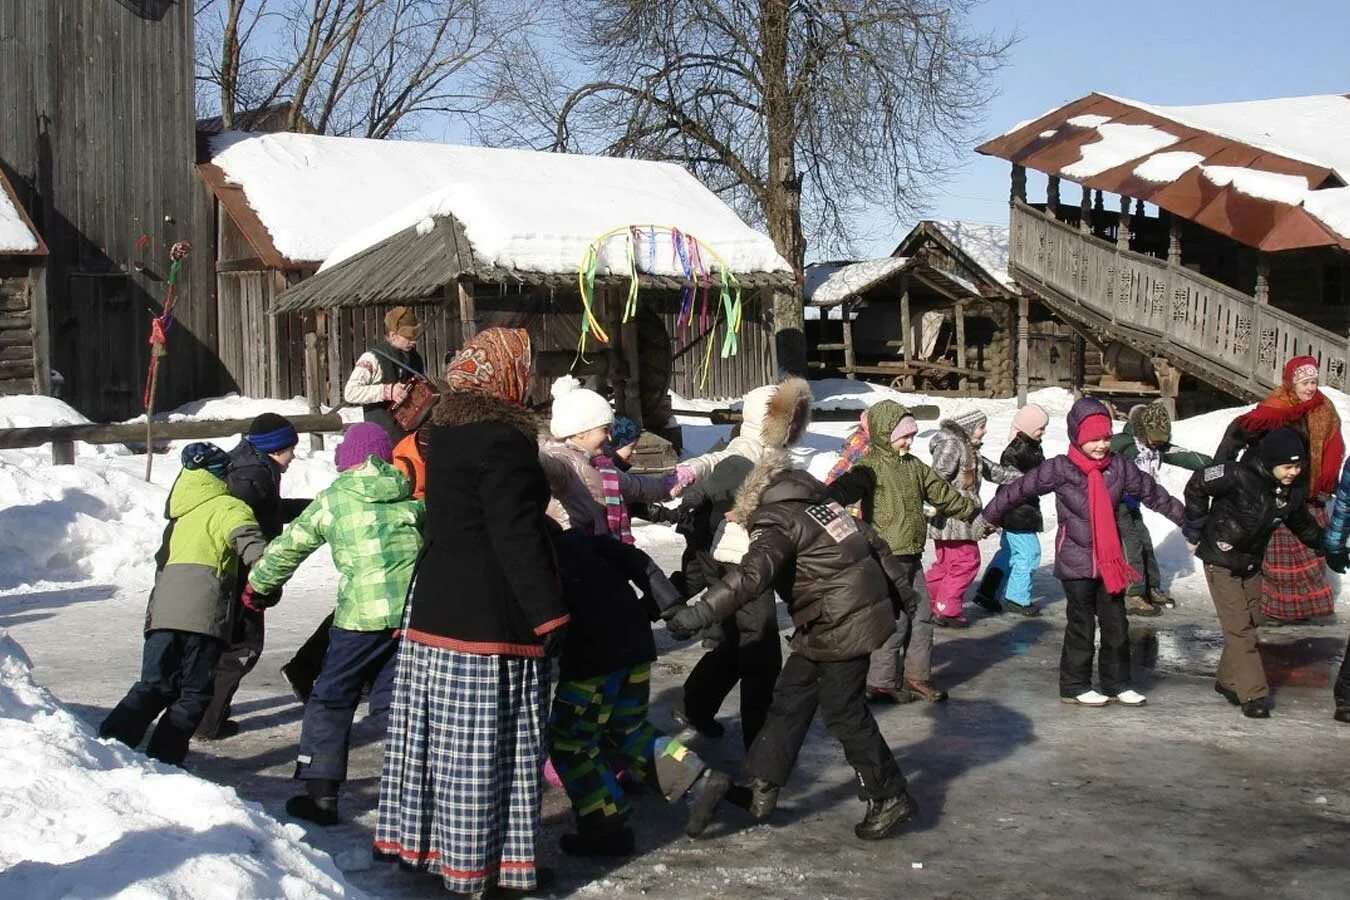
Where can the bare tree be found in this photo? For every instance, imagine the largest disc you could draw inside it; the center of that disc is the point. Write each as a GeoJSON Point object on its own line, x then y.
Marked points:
{"type": "Point", "coordinates": [801, 112]}
{"type": "Point", "coordinates": [373, 68]}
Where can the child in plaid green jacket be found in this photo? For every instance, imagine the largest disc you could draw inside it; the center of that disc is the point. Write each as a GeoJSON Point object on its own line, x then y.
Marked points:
{"type": "Point", "coordinates": [373, 527]}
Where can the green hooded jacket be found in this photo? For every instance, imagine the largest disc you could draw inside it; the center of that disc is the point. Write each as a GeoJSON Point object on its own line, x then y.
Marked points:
{"type": "Point", "coordinates": [209, 533]}
{"type": "Point", "coordinates": [894, 486]}
{"type": "Point", "coordinates": [374, 529]}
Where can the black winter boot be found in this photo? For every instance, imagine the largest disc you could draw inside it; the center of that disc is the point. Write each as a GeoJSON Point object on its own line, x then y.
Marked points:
{"type": "Point", "coordinates": [707, 727]}
{"type": "Point", "coordinates": [1257, 709]}
{"type": "Point", "coordinates": [319, 803]}
{"type": "Point", "coordinates": [707, 794]}
{"type": "Point", "coordinates": [763, 798]}
{"type": "Point", "coordinates": [1342, 714]}
{"type": "Point", "coordinates": [604, 838]}
{"type": "Point", "coordinates": [986, 595]}
{"type": "Point", "coordinates": [1225, 693]}
{"type": "Point", "coordinates": [884, 816]}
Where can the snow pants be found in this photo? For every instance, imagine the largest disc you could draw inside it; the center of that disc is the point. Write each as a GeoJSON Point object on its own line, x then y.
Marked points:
{"type": "Point", "coordinates": [1138, 546]}
{"type": "Point", "coordinates": [949, 577]}
{"type": "Point", "coordinates": [354, 659]}
{"type": "Point", "coordinates": [303, 668]}
{"type": "Point", "coordinates": [236, 661]}
{"type": "Point", "coordinates": [1019, 555]}
{"type": "Point", "coordinates": [838, 690]}
{"type": "Point", "coordinates": [176, 680]}
{"type": "Point", "coordinates": [750, 652]}
{"type": "Point", "coordinates": [910, 649]}
{"type": "Point", "coordinates": [1087, 606]}
{"type": "Point", "coordinates": [606, 716]}
{"type": "Point", "coordinates": [1237, 601]}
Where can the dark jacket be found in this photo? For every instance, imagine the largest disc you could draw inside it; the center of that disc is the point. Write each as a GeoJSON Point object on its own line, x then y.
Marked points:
{"type": "Point", "coordinates": [610, 627]}
{"type": "Point", "coordinates": [1073, 542]}
{"type": "Point", "coordinates": [254, 478]}
{"type": "Point", "coordinates": [391, 373]}
{"type": "Point", "coordinates": [1024, 454]}
{"type": "Point", "coordinates": [487, 581]}
{"type": "Point", "coordinates": [822, 562]}
{"type": "Point", "coordinates": [1232, 509]}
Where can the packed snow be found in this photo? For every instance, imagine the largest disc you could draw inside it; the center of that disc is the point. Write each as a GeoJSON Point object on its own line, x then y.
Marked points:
{"type": "Point", "coordinates": [15, 235]}
{"type": "Point", "coordinates": [82, 817]}
{"type": "Point", "coordinates": [1118, 145]}
{"type": "Point", "coordinates": [1332, 207]}
{"type": "Point", "coordinates": [986, 243]}
{"type": "Point", "coordinates": [850, 279]}
{"type": "Point", "coordinates": [1168, 166]}
{"type": "Point", "coordinates": [1290, 189]}
{"type": "Point", "coordinates": [1088, 121]}
{"type": "Point", "coordinates": [326, 198]}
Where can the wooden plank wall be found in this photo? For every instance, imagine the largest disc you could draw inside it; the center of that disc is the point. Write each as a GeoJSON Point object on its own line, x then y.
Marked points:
{"type": "Point", "coordinates": [97, 135]}
{"type": "Point", "coordinates": [17, 359]}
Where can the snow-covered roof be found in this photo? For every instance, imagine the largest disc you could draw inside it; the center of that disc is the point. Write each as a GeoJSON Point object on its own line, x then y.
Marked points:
{"type": "Point", "coordinates": [984, 242]}
{"type": "Point", "coordinates": [831, 283]}
{"type": "Point", "coordinates": [16, 235]}
{"type": "Point", "coordinates": [323, 199]}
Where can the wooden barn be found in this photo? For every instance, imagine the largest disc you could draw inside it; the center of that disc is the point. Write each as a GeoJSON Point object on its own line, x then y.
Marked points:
{"type": "Point", "coordinates": [474, 237]}
{"type": "Point", "coordinates": [23, 300]}
{"type": "Point", "coordinates": [940, 315]}
{"type": "Point", "coordinates": [97, 140]}
{"type": "Point", "coordinates": [1211, 241]}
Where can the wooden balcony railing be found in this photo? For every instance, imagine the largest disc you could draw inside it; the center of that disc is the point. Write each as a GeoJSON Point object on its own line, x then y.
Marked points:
{"type": "Point", "coordinates": [1172, 307]}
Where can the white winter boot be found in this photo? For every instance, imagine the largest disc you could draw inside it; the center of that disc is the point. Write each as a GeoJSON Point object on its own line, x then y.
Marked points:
{"type": "Point", "coordinates": [1087, 698]}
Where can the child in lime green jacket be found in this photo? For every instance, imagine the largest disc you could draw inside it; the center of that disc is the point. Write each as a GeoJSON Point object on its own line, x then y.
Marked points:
{"type": "Point", "coordinates": [373, 527]}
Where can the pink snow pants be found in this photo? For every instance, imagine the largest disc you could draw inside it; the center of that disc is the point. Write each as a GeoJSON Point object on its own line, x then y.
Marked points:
{"type": "Point", "coordinates": [949, 577]}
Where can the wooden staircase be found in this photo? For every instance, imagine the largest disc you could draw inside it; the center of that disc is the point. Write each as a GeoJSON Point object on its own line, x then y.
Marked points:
{"type": "Point", "coordinates": [1206, 329]}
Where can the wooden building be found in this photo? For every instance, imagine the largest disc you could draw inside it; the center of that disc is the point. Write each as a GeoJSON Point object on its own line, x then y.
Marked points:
{"type": "Point", "coordinates": [940, 315]}
{"type": "Point", "coordinates": [23, 299]}
{"type": "Point", "coordinates": [270, 247]}
{"type": "Point", "coordinates": [97, 140]}
{"type": "Point", "coordinates": [1213, 241]}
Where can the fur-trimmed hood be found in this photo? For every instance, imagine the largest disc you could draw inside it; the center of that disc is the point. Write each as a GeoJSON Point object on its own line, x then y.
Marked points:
{"type": "Point", "coordinates": [773, 480]}
{"type": "Point", "coordinates": [777, 415]}
{"type": "Point", "coordinates": [471, 407]}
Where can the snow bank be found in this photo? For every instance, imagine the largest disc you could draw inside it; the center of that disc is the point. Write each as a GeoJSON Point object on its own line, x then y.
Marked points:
{"type": "Point", "coordinates": [35, 411]}
{"type": "Point", "coordinates": [1119, 144]}
{"type": "Point", "coordinates": [80, 817]}
{"type": "Point", "coordinates": [15, 235]}
{"type": "Point", "coordinates": [326, 198]}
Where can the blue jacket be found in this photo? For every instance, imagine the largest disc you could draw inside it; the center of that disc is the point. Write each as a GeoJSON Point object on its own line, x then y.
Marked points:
{"type": "Point", "coordinates": [1338, 529]}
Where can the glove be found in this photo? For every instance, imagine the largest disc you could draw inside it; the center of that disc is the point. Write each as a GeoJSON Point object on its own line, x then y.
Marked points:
{"type": "Point", "coordinates": [1192, 530]}
{"type": "Point", "coordinates": [682, 477]}
{"type": "Point", "coordinates": [554, 640]}
{"type": "Point", "coordinates": [256, 602]}
{"type": "Point", "coordinates": [690, 620]}
{"type": "Point", "coordinates": [1338, 561]}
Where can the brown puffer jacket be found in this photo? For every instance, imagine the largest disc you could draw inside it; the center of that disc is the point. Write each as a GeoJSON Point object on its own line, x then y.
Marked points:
{"type": "Point", "coordinates": [826, 565]}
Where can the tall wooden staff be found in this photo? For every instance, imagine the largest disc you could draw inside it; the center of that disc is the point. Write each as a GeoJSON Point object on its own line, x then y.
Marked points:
{"type": "Point", "coordinates": [159, 328]}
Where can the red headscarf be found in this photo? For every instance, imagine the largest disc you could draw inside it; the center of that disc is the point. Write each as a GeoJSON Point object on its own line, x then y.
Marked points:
{"type": "Point", "coordinates": [1282, 408]}
{"type": "Point", "coordinates": [495, 361]}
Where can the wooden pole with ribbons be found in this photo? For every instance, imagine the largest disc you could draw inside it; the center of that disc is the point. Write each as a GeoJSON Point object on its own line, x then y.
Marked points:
{"type": "Point", "coordinates": [159, 329]}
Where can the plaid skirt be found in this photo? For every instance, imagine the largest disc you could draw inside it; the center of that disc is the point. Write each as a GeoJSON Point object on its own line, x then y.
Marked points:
{"type": "Point", "coordinates": [460, 791]}
{"type": "Point", "coordinates": [1294, 580]}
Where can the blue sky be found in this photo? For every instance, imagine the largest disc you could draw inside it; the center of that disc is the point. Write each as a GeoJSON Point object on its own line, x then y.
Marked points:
{"type": "Point", "coordinates": [1161, 51]}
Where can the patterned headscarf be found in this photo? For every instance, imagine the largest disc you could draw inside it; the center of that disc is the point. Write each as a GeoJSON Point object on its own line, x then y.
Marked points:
{"type": "Point", "coordinates": [495, 361]}
{"type": "Point", "coordinates": [1282, 408]}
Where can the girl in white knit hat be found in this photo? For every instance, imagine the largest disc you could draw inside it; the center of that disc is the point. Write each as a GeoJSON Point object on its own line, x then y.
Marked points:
{"type": "Point", "coordinates": [590, 493]}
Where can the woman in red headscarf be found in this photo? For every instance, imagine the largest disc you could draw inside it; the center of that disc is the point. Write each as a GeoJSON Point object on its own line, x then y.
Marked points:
{"type": "Point", "coordinates": [1294, 584]}
{"type": "Point", "coordinates": [460, 792]}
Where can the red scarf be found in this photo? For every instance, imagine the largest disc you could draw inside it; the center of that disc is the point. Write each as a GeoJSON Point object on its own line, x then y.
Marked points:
{"type": "Point", "coordinates": [1107, 557]}
{"type": "Point", "coordinates": [1280, 409]}
{"type": "Point", "coordinates": [616, 511]}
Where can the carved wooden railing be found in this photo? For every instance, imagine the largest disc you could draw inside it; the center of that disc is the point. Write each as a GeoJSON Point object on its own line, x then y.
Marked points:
{"type": "Point", "coordinates": [1249, 341]}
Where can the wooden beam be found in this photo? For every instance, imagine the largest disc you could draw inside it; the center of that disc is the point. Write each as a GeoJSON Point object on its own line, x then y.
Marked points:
{"type": "Point", "coordinates": [1052, 196]}
{"type": "Point", "coordinates": [134, 433]}
{"type": "Point", "coordinates": [906, 332]}
{"type": "Point", "coordinates": [468, 327]}
{"type": "Point", "coordinates": [1123, 225]}
{"type": "Point", "coordinates": [1173, 240]}
{"type": "Point", "coordinates": [1262, 291]}
{"type": "Point", "coordinates": [1085, 211]}
{"type": "Point", "coordinates": [1018, 194]}
{"type": "Point", "coordinates": [960, 315]}
{"type": "Point", "coordinates": [37, 304]}
{"type": "Point", "coordinates": [1023, 348]}
{"type": "Point", "coordinates": [243, 264]}
{"type": "Point", "coordinates": [630, 404]}
{"type": "Point", "coordinates": [849, 359]}
{"type": "Point", "coordinates": [313, 383]}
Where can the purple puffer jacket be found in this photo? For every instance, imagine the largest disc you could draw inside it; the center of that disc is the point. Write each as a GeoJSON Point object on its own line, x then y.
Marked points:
{"type": "Point", "coordinates": [1073, 542]}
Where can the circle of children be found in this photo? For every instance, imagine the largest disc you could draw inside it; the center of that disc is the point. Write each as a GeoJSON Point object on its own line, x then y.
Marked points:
{"type": "Point", "coordinates": [475, 556]}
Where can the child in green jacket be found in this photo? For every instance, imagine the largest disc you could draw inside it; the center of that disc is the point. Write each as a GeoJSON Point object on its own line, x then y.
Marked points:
{"type": "Point", "coordinates": [893, 486]}
{"type": "Point", "coordinates": [373, 527]}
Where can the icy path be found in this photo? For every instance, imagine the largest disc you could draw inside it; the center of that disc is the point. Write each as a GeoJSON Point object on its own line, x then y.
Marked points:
{"type": "Point", "coordinates": [1021, 795]}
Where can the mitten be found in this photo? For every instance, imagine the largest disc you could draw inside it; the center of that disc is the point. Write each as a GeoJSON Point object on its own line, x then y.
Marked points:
{"type": "Point", "coordinates": [690, 620]}
{"type": "Point", "coordinates": [1338, 561]}
{"type": "Point", "coordinates": [254, 601]}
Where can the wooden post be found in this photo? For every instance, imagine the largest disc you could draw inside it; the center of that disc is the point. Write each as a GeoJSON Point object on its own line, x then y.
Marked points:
{"type": "Point", "coordinates": [906, 332]}
{"type": "Point", "coordinates": [1019, 185]}
{"type": "Point", "coordinates": [960, 315]}
{"type": "Point", "coordinates": [849, 359]}
{"type": "Point", "coordinates": [1123, 225]}
{"type": "Point", "coordinates": [1079, 364]}
{"type": "Point", "coordinates": [1173, 240]}
{"type": "Point", "coordinates": [1169, 383]}
{"type": "Point", "coordinates": [313, 383]}
{"type": "Point", "coordinates": [1052, 196]}
{"type": "Point", "coordinates": [1085, 211]}
{"type": "Point", "coordinates": [1262, 292]}
{"type": "Point", "coordinates": [1023, 348]}
{"type": "Point", "coordinates": [468, 327]}
{"type": "Point", "coordinates": [37, 303]}
{"type": "Point", "coordinates": [630, 403]}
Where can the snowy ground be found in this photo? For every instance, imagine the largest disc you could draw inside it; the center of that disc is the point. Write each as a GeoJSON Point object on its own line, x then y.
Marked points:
{"type": "Point", "coordinates": [1021, 795]}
